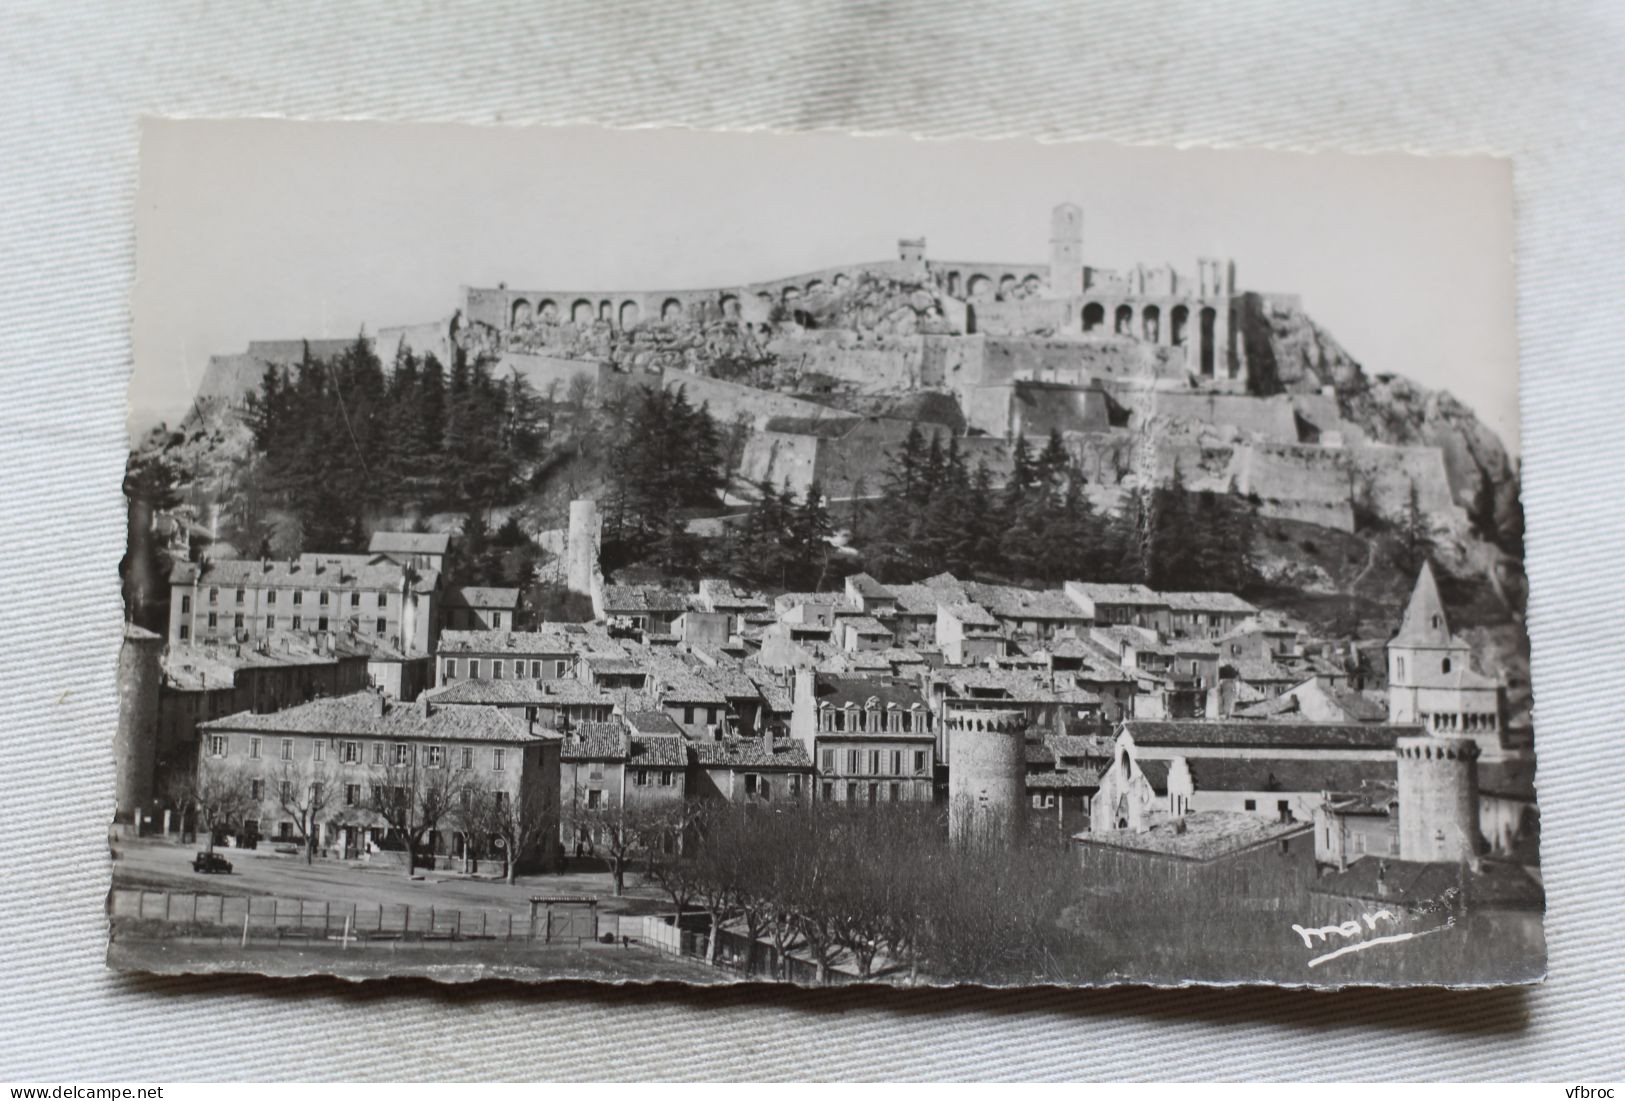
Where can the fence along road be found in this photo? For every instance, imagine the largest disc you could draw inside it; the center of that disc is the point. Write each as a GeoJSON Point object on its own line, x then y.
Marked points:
{"type": "Point", "coordinates": [260, 916]}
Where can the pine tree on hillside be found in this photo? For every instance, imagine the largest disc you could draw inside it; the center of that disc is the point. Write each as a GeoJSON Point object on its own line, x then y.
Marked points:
{"type": "Point", "coordinates": [1053, 462]}
{"type": "Point", "coordinates": [810, 529]}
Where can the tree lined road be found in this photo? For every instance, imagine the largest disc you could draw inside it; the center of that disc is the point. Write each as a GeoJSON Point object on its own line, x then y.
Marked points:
{"type": "Point", "coordinates": [160, 865]}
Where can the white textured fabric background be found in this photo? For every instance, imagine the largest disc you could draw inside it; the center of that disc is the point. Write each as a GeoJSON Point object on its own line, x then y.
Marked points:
{"type": "Point", "coordinates": [1543, 83]}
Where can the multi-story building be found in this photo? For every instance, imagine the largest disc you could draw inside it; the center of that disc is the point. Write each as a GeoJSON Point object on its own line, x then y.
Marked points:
{"type": "Point", "coordinates": [337, 752]}
{"type": "Point", "coordinates": [244, 601]}
{"type": "Point", "coordinates": [505, 655]}
{"type": "Point", "coordinates": [757, 771]}
{"type": "Point", "coordinates": [1206, 614]}
{"type": "Point", "coordinates": [1107, 603]}
{"type": "Point", "coordinates": [871, 739]}
{"type": "Point", "coordinates": [607, 767]}
{"type": "Point", "coordinates": [207, 682]}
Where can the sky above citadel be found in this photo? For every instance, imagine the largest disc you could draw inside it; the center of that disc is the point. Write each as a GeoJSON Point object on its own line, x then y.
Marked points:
{"type": "Point", "coordinates": [251, 230]}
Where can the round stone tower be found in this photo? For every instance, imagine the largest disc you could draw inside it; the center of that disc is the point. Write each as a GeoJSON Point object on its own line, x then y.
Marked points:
{"type": "Point", "coordinates": [135, 743]}
{"type": "Point", "coordinates": [1438, 799]}
{"type": "Point", "coordinates": [987, 774]}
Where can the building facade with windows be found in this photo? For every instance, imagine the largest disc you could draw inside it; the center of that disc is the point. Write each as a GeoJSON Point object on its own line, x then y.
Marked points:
{"type": "Point", "coordinates": [337, 759]}
{"type": "Point", "coordinates": [505, 655]}
{"type": "Point", "coordinates": [871, 739]}
{"type": "Point", "coordinates": [238, 601]}
{"type": "Point", "coordinates": [753, 771]}
{"type": "Point", "coordinates": [607, 768]}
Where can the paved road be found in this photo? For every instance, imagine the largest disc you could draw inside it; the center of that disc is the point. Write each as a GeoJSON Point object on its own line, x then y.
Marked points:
{"type": "Point", "coordinates": [161, 865]}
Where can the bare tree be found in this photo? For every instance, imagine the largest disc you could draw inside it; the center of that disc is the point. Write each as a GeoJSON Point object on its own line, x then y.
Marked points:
{"type": "Point", "coordinates": [414, 796]}
{"type": "Point", "coordinates": [621, 834]}
{"type": "Point", "coordinates": [676, 868]}
{"type": "Point", "coordinates": [303, 794]}
{"type": "Point", "coordinates": [518, 826]}
{"type": "Point", "coordinates": [220, 794]}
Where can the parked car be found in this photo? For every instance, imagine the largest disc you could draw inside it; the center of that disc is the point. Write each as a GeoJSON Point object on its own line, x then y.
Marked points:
{"type": "Point", "coordinates": [211, 863]}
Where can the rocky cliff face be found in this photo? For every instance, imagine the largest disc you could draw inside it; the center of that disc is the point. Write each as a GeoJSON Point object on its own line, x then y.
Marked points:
{"type": "Point", "coordinates": [1289, 352]}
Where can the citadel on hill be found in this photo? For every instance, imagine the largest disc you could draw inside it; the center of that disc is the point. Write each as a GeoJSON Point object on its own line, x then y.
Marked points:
{"type": "Point", "coordinates": [1235, 388]}
{"type": "Point", "coordinates": [1214, 782]}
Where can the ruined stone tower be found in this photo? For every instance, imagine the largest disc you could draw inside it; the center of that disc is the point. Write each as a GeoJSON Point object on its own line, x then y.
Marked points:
{"type": "Point", "coordinates": [987, 774]}
{"type": "Point", "coordinates": [135, 742]}
{"type": "Point", "coordinates": [583, 574]}
{"type": "Point", "coordinates": [1066, 251]}
{"type": "Point", "coordinates": [1438, 799]}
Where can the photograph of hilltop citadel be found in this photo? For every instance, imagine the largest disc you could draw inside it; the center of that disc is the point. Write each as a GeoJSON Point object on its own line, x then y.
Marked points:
{"type": "Point", "coordinates": [910, 621]}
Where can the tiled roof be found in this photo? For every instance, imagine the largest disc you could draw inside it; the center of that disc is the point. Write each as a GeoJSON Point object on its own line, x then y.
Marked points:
{"type": "Point", "coordinates": [1203, 835]}
{"type": "Point", "coordinates": [785, 601]}
{"type": "Point", "coordinates": [867, 625]}
{"type": "Point", "coordinates": [1224, 603]}
{"type": "Point", "coordinates": [300, 574]}
{"type": "Point", "coordinates": [1038, 753]}
{"type": "Point", "coordinates": [1155, 770]}
{"type": "Point", "coordinates": [660, 752]}
{"type": "Point", "coordinates": [1267, 734]}
{"type": "Point", "coordinates": [751, 753]}
{"type": "Point", "coordinates": [1065, 779]}
{"type": "Point", "coordinates": [613, 665]}
{"type": "Point", "coordinates": [972, 615]}
{"type": "Point", "coordinates": [869, 587]}
{"type": "Point", "coordinates": [1492, 885]}
{"type": "Point", "coordinates": [1111, 592]}
{"type": "Point", "coordinates": [595, 742]}
{"type": "Point", "coordinates": [356, 715]}
{"type": "Point", "coordinates": [721, 595]}
{"type": "Point", "coordinates": [919, 600]}
{"type": "Point", "coordinates": [516, 643]}
{"type": "Point", "coordinates": [839, 691]}
{"type": "Point", "coordinates": [1080, 745]}
{"type": "Point", "coordinates": [1013, 602]}
{"type": "Point", "coordinates": [409, 542]}
{"type": "Point", "coordinates": [1017, 685]}
{"type": "Point", "coordinates": [1286, 774]}
{"type": "Point", "coordinates": [522, 691]}
{"type": "Point", "coordinates": [482, 596]}
{"type": "Point", "coordinates": [620, 599]}
{"type": "Point", "coordinates": [651, 722]}
{"type": "Point", "coordinates": [1265, 671]}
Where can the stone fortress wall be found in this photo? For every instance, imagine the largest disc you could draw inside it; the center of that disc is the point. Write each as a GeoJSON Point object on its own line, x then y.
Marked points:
{"type": "Point", "coordinates": [1117, 361]}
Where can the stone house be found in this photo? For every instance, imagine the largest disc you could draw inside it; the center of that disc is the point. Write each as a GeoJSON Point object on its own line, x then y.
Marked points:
{"type": "Point", "coordinates": [552, 704]}
{"type": "Point", "coordinates": [345, 747]}
{"type": "Point", "coordinates": [605, 767]}
{"type": "Point", "coordinates": [646, 608]}
{"type": "Point", "coordinates": [968, 635]}
{"type": "Point", "coordinates": [505, 655]}
{"type": "Point", "coordinates": [200, 683]}
{"type": "Point", "coordinates": [244, 601]}
{"type": "Point", "coordinates": [758, 771]}
{"type": "Point", "coordinates": [871, 739]}
{"type": "Point", "coordinates": [1208, 615]}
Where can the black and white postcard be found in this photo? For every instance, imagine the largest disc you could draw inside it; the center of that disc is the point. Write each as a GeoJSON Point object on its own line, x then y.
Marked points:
{"type": "Point", "coordinates": [660, 555]}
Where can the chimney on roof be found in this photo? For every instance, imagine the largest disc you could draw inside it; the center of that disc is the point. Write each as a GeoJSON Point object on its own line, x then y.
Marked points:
{"type": "Point", "coordinates": [378, 706]}
{"type": "Point", "coordinates": [1382, 879]}
{"type": "Point", "coordinates": [425, 708]}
